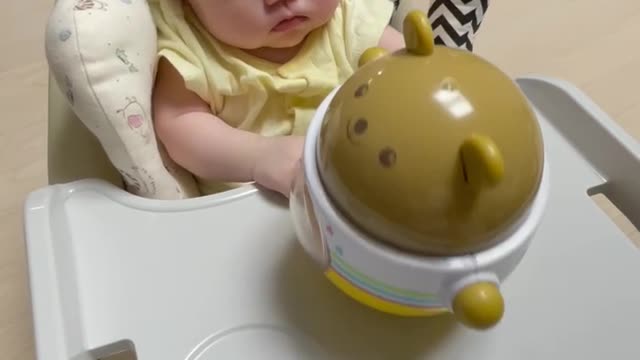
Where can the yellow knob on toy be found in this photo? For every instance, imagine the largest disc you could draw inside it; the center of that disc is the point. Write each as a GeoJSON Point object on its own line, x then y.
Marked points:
{"type": "Point", "coordinates": [482, 161]}
{"type": "Point", "coordinates": [479, 305]}
{"type": "Point", "coordinates": [418, 34]}
{"type": "Point", "coordinates": [371, 54]}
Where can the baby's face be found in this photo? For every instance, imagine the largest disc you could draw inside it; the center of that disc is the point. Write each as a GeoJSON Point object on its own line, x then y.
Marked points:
{"type": "Point", "coordinates": [253, 24]}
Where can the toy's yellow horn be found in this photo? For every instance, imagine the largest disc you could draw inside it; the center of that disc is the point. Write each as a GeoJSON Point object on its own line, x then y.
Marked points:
{"type": "Point", "coordinates": [371, 54]}
{"type": "Point", "coordinates": [418, 35]}
{"type": "Point", "coordinates": [482, 162]}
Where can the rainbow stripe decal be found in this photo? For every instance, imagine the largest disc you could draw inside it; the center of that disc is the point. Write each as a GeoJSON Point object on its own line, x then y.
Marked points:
{"type": "Point", "coordinates": [380, 290]}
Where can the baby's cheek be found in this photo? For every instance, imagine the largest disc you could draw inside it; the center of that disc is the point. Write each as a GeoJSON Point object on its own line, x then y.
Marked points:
{"type": "Point", "coordinates": [324, 9]}
{"type": "Point", "coordinates": [235, 24]}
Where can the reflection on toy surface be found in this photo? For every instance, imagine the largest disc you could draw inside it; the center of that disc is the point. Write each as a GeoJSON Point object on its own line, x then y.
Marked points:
{"type": "Point", "coordinates": [306, 223]}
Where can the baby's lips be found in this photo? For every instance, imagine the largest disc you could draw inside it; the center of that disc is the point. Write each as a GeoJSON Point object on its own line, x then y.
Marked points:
{"type": "Point", "coordinates": [289, 23]}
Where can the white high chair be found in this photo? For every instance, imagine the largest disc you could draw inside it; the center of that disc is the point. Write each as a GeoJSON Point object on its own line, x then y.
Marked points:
{"type": "Point", "coordinates": [222, 277]}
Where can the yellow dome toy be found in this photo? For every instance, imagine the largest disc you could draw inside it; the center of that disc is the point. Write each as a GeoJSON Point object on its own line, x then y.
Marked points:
{"type": "Point", "coordinates": [423, 181]}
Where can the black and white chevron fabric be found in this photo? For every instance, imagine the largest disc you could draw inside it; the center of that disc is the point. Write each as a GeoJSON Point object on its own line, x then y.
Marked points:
{"type": "Point", "coordinates": [456, 22]}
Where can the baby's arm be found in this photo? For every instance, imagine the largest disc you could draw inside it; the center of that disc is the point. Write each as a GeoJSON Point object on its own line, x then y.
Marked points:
{"type": "Point", "coordinates": [209, 148]}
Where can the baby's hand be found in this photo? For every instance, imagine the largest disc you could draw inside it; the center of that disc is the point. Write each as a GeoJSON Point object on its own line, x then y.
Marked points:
{"type": "Point", "coordinates": [276, 167]}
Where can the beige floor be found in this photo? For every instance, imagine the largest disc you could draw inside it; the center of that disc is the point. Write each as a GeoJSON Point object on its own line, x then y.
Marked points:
{"type": "Point", "coordinates": [583, 41]}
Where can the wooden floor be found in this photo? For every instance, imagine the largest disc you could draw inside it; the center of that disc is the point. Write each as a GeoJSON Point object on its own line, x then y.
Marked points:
{"type": "Point", "coordinates": [582, 41]}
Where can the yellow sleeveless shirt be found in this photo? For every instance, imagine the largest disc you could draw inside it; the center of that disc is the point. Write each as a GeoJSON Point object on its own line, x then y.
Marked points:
{"type": "Point", "coordinates": [256, 95]}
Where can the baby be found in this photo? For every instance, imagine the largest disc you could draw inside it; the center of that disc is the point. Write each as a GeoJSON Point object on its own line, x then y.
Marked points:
{"type": "Point", "coordinates": [239, 80]}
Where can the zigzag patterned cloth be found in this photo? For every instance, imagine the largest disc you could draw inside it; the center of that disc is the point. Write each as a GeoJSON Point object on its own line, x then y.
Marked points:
{"type": "Point", "coordinates": [456, 22]}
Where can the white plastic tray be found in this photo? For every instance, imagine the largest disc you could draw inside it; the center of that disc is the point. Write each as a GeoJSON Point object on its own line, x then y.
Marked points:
{"type": "Point", "coordinates": [223, 277]}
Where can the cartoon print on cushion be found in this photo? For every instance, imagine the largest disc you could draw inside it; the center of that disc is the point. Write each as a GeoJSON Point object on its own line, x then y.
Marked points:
{"type": "Point", "coordinates": [122, 55]}
{"type": "Point", "coordinates": [64, 35]}
{"type": "Point", "coordinates": [171, 170]}
{"type": "Point", "coordinates": [132, 184]}
{"type": "Point", "coordinates": [150, 183]}
{"type": "Point", "coordinates": [69, 91]}
{"type": "Point", "coordinates": [135, 185]}
{"type": "Point", "coordinates": [134, 115]}
{"type": "Point", "coordinates": [82, 5]}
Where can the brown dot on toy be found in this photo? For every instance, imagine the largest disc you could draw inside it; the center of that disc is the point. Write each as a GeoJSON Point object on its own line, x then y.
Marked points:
{"type": "Point", "coordinates": [362, 90]}
{"type": "Point", "coordinates": [360, 127]}
{"type": "Point", "coordinates": [387, 157]}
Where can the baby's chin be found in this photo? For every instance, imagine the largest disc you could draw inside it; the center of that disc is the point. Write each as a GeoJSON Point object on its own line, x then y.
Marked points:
{"type": "Point", "coordinates": [288, 40]}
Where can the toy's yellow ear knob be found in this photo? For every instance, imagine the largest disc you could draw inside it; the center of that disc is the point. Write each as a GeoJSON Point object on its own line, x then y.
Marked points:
{"type": "Point", "coordinates": [418, 35]}
{"type": "Point", "coordinates": [479, 306]}
{"type": "Point", "coordinates": [482, 161]}
{"type": "Point", "coordinates": [371, 54]}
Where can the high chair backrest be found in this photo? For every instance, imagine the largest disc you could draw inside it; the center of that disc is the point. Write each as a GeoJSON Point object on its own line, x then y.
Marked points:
{"type": "Point", "coordinates": [102, 57]}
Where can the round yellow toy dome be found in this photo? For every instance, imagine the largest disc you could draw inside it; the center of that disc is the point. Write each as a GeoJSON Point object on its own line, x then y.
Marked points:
{"type": "Point", "coordinates": [430, 149]}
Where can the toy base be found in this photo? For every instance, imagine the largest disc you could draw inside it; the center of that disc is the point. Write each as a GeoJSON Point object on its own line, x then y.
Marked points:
{"type": "Point", "coordinates": [378, 303]}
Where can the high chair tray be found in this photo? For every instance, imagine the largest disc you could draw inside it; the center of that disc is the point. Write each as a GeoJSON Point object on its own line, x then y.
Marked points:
{"type": "Point", "coordinates": [222, 277]}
